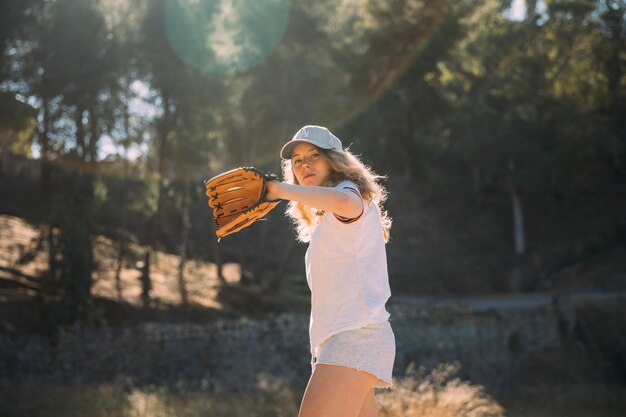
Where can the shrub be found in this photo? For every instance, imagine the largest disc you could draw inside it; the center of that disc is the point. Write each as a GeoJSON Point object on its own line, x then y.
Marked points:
{"type": "Point", "coordinates": [438, 394]}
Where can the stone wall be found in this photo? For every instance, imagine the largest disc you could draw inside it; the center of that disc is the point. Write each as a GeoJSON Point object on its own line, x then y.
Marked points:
{"type": "Point", "coordinates": [488, 338]}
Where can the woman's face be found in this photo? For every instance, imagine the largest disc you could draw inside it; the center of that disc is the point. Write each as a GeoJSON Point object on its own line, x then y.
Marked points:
{"type": "Point", "coordinates": [310, 165]}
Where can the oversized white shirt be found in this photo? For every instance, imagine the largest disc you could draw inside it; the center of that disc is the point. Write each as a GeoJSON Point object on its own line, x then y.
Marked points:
{"type": "Point", "coordinates": [346, 269]}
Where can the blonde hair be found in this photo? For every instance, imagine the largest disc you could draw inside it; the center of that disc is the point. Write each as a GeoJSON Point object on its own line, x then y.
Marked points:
{"type": "Point", "coordinates": [344, 166]}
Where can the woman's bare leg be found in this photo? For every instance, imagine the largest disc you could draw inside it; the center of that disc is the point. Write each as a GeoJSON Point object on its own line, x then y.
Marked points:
{"type": "Point", "coordinates": [368, 409]}
{"type": "Point", "coordinates": [336, 391]}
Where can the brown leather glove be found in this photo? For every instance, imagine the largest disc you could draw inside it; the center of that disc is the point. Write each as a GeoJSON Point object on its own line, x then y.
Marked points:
{"type": "Point", "coordinates": [237, 199]}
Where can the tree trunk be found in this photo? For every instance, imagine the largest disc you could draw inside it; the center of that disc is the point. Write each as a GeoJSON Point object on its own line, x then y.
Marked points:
{"type": "Point", "coordinates": [184, 243]}
{"type": "Point", "coordinates": [146, 283]}
{"type": "Point", "coordinates": [217, 256]}
{"type": "Point", "coordinates": [123, 231]}
{"type": "Point", "coordinates": [184, 297]}
{"type": "Point", "coordinates": [120, 262]}
{"type": "Point", "coordinates": [478, 185]}
{"type": "Point", "coordinates": [45, 149]}
{"type": "Point", "coordinates": [52, 252]}
{"type": "Point", "coordinates": [260, 247]}
{"type": "Point", "coordinates": [80, 133]}
{"type": "Point", "coordinates": [74, 241]}
{"type": "Point", "coordinates": [45, 187]}
{"type": "Point", "coordinates": [531, 11]}
{"type": "Point", "coordinates": [93, 137]}
{"type": "Point", "coordinates": [243, 256]}
{"type": "Point", "coordinates": [150, 235]}
{"type": "Point", "coordinates": [518, 216]}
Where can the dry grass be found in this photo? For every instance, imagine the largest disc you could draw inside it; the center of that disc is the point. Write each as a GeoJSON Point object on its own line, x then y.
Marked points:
{"type": "Point", "coordinates": [417, 394]}
{"type": "Point", "coordinates": [109, 400]}
{"type": "Point", "coordinates": [41, 398]}
{"type": "Point", "coordinates": [439, 394]}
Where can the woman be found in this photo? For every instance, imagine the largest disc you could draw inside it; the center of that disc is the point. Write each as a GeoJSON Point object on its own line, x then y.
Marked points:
{"type": "Point", "coordinates": [335, 203]}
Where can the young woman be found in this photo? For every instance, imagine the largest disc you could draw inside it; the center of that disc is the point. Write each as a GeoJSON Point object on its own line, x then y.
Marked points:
{"type": "Point", "coordinates": [335, 202]}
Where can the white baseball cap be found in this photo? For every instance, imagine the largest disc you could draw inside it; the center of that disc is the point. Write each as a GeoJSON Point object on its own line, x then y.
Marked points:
{"type": "Point", "coordinates": [317, 135]}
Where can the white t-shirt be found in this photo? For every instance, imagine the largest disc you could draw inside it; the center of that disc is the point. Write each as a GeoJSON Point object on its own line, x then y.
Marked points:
{"type": "Point", "coordinates": [346, 269]}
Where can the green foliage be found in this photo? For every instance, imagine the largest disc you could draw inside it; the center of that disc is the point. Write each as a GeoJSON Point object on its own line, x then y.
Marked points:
{"type": "Point", "coordinates": [529, 91]}
{"type": "Point", "coordinates": [424, 90]}
{"type": "Point", "coordinates": [433, 79]}
{"type": "Point", "coordinates": [17, 124]}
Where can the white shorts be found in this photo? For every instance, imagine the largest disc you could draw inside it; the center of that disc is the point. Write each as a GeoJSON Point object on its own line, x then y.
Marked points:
{"type": "Point", "coordinates": [371, 348]}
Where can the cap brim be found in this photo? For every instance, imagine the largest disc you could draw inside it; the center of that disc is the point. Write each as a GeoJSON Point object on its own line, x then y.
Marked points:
{"type": "Point", "coordinates": [287, 149]}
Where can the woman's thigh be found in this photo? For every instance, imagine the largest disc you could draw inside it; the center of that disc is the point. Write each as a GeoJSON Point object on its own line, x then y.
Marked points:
{"type": "Point", "coordinates": [336, 391]}
{"type": "Point", "coordinates": [368, 408]}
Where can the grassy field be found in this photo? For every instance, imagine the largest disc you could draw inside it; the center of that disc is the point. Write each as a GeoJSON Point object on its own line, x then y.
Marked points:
{"type": "Point", "coordinates": [438, 394]}
{"type": "Point", "coordinates": [563, 383]}
{"type": "Point", "coordinates": [569, 382]}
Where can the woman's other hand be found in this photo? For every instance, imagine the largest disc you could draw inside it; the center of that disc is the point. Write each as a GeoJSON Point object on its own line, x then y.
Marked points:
{"type": "Point", "coordinates": [271, 190]}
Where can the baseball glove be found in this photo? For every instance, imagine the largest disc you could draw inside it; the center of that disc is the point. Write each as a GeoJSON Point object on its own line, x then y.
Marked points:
{"type": "Point", "coordinates": [237, 199]}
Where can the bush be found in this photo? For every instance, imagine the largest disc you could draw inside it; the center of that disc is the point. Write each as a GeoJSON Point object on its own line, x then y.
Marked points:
{"type": "Point", "coordinates": [438, 394]}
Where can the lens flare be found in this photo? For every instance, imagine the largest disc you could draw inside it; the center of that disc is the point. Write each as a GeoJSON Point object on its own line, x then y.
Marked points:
{"type": "Point", "coordinates": [225, 36]}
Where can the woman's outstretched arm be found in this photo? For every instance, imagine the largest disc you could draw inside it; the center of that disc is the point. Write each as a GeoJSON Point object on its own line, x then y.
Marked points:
{"type": "Point", "coordinates": [341, 202]}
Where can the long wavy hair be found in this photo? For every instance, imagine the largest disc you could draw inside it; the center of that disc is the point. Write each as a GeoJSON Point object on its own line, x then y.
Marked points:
{"type": "Point", "coordinates": [344, 166]}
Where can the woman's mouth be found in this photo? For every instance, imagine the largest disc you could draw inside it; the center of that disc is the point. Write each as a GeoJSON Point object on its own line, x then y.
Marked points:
{"type": "Point", "coordinates": [308, 175]}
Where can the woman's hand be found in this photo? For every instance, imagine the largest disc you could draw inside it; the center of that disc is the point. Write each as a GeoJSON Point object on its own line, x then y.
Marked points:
{"type": "Point", "coordinates": [271, 190]}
